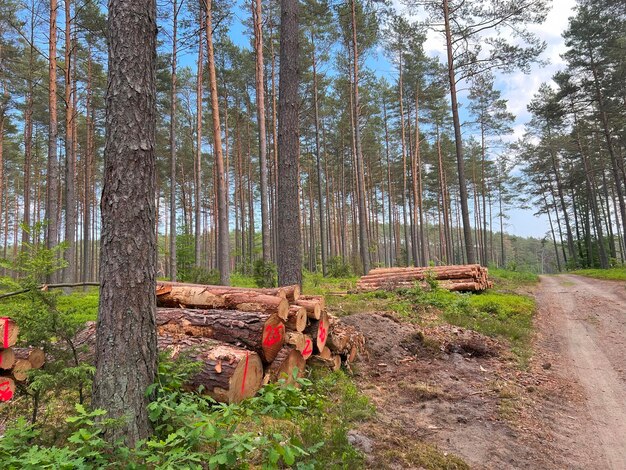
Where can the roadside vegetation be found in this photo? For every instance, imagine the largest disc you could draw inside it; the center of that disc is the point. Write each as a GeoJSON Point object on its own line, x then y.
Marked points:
{"type": "Point", "coordinates": [301, 427]}
{"type": "Point", "coordinates": [615, 274]}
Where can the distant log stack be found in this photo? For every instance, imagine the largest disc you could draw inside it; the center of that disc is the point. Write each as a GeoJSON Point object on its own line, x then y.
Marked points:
{"type": "Point", "coordinates": [15, 362]}
{"type": "Point", "coordinates": [462, 278]}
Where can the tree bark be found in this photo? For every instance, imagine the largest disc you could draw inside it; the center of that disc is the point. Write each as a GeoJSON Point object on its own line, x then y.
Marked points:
{"type": "Point", "coordinates": [126, 347]}
{"type": "Point", "coordinates": [467, 227]}
{"type": "Point", "coordinates": [260, 104]}
{"type": "Point", "coordinates": [173, 100]}
{"type": "Point", "coordinates": [69, 272]}
{"type": "Point", "coordinates": [289, 236]}
{"type": "Point", "coordinates": [198, 161]}
{"type": "Point", "coordinates": [263, 333]}
{"type": "Point", "coordinates": [360, 170]}
{"type": "Point", "coordinates": [223, 238]}
{"type": "Point", "coordinates": [52, 186]}
{"type": "Point", "coordinates": [228, 374]}
{"type": "Point", "coordinates": [318, 161]}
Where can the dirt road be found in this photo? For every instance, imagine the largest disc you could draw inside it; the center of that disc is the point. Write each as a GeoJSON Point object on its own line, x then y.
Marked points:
{"type": "Point", "coordinates": [582, 330]}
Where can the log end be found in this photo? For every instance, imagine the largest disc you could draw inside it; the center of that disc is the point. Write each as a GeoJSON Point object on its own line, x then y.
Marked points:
{"type": "Point", "coordinates": [8, 332]}
{"type": "Point", "coordinates": [7, 388]}
{"type": "Point", "coordinates": [7, 359]}
{"type": "Point", "coordinates": [273, 338]}
{"type": "Point", "coordinates": [246, 380]}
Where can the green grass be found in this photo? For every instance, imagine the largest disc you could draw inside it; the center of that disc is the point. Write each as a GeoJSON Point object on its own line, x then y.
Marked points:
{"type": "Point", "coordinates": [497, 314]}
{"type": "Point", "coordinates": [616, 274]}
{"type": "Point", "coordinates": [510, 280]}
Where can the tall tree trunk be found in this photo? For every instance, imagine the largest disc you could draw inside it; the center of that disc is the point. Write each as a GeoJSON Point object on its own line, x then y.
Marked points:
{"type": "Point", "coordinates": [173, 100]}
{"type": "Point", "coordinates": [320, 201]}
{"type": "Point", "coordinates": [289, 237]}
{"type": "Point", "coordinates": [126, 348]}
{"type": "Point", "coordinates": [223, 242]}
{"type": "Point", "coordinates": [198, 160]}
{"type": "Point", "coordinates": [619, 181]}
{"type": "Point", "coordinates": [559, 188]}
{"type": "Point", "coordinates": [407, 242]}
{"type": "Point", "coordinates": [360, 170]}
{"type": "Point", "coordinates": [260, 105]}
{"type": "Point", "coordinates": [389, 188]}
{"type": "Point", "coordinates": [69, 272]}
{"type": "Point", "coordinates": [28, 145]}
{"type": "Point", "coordinates": [88, 164]}
{"type": "Point", "coordinates": [52, 186]}
{"type": "Point", "coordinates": [467, 227]}
{"type": "Point", "coordinates": [418, 210]}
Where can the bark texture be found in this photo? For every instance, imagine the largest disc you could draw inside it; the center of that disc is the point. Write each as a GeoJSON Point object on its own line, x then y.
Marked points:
{"type": "Point", "coordinates": [261, 332]}
{"type": "Point", "coordinates": [126, 346]}
{"type": "Point", "coordinates": [288, 205]}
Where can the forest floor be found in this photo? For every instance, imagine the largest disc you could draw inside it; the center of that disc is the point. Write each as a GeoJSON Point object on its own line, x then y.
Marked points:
{"type": "Point", "coordinates": [449, 397]}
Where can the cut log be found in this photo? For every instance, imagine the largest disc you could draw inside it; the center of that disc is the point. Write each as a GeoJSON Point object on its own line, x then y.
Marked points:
{"type": "Point", "coordinates": [295, 339]}
{"type": "Point", "coordinates": [307, 349]}
{"type": "Point", "coordinates": [264, 333]}
{"type": "Point", "coordinates": [326, 353]}
{"type": "Point", "coordinates": [8, 332]}
{"type": "Point", "coordinates": [331, 363]}
{"type": "Point", "coordinates": [313, 308]}
{"type": "Point", "coordinates": [318, 298]}
{"type": "Point", "coordinates": [35, 356]}
{"type": "Point", "coordinates": [296, 318]}
{"type": "Point", "coordinates": [228, 374]}
{"type": "Point", "coordinates": [291, 293]}
{"type": "Point", "coordinates": [318, 330]}
{"type": "Point", "coordinates": [206, 297]}
{"type": "Point", "coordinates": [284, 366]}
{"type": "Point", "coordinates": [7, 358]}
{"type": "Point", "coordinates": [7, 388]}
{"type": "Point", "coordinates": [20, 369]}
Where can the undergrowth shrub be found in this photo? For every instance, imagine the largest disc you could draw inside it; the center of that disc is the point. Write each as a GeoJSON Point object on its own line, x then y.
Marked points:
{"type": "Point", "coordinates": [284, 426]}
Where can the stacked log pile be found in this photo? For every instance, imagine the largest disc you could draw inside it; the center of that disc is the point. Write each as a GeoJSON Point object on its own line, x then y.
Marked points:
{"type": "Point", "coordinates": [15, 362]}
{"type": "Point", "coordinates": [248, 337]}
{"type": "Point", "coordinates": [462, 278]}
{"type": "Point", "coordinates": [244, 337]}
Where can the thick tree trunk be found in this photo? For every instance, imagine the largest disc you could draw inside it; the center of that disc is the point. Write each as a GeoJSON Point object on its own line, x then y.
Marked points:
{"type": "Point", "coordinates": [126, 347]}
{"type": "Point", "coordinates": [289, 237]}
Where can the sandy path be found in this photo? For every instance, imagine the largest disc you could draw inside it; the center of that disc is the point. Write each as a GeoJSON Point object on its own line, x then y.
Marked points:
{"type": "Point", "coordinates": [584, 324]}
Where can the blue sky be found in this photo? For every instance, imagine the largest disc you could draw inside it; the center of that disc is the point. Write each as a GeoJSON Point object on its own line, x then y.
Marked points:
{"type": "Point", "coordinates": [517, 88]}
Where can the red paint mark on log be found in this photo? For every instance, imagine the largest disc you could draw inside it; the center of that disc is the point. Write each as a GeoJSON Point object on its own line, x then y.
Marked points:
{"type": "Point", "coordinates": [308, 348]}
{"type": "Point", "coordinates": [245, 374]}
{"type": "Point", "coordinates": [322, 332]}
{"type": "Point", "coordinates": [272, 335]}
{"type": "Point", "coordinates": [5, 391]}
